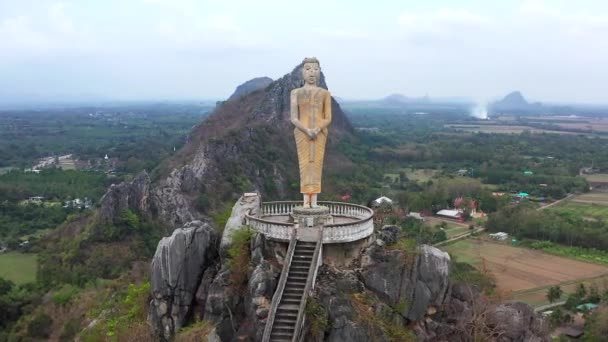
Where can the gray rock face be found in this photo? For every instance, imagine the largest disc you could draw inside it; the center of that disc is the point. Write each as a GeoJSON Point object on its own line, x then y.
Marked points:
{"type": "Point", "coordinates": [237, 219]}
{"type": "Point", "coordinates": [132, 195]}
{"type": "Point", "coordinates": [411, 282]}
{"type": "Point", "coordinates": [468, 313]}
{"type": "Point", "coordinates": [250, 86]}
{"type": "Point", "coordinates": [177, 268]}
{"type": "Point", "coordinates": [170, 196]}
{"type": "Point", "coordinates": [333, 290]}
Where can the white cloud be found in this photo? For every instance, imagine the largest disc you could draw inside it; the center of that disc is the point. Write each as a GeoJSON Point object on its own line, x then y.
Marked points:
{"type": "Point", "coordinates": [441, 24]}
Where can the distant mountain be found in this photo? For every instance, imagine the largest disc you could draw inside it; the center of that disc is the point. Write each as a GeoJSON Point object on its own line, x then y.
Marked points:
{"type": "Point", "coordinates": [250, 86]}
{"type": "Point", "coordinates": [402, 99]}
{"type": "Point", "coordinates": [515, 102]}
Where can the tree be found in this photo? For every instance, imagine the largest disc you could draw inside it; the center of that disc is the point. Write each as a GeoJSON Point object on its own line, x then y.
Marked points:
{"type": "Point", "coordinates": [554, 293]}
{"type": "Point", "coordinates": [581, 291]}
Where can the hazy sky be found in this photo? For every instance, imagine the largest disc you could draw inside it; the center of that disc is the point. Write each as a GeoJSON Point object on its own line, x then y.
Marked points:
{"type": "Point", "coordinates": [174, 49]}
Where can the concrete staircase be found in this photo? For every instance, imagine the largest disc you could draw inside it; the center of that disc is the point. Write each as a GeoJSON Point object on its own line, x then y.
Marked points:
{"type": "Point", "coordinates": [291, 303]}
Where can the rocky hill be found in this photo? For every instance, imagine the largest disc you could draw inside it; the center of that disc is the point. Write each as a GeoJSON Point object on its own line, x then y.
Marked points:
{"type": "Point", "coordinates": [515, 103]}
{"type": "Point", "coordinates": [250, 86]}
{"type": "Point", "coordinates": [246, 144]}
{"type": "Point", "coordinates": [387, 293]}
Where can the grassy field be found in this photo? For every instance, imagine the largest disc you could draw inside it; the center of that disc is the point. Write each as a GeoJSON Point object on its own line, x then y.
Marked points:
{"type": "Point", "coordinates": [597, 177]}
{"type": "Point", "coordinates": [418, 175]}
{"type": "Point", "coordinates": [596, 198]}
{"type": "Point", "coordinates": [523, 272]}
{"type": "Point", "coordinates": [452, 228]}
{"type": "Point", "coordinates": [589, 207]}
{"type": "Point", "coordinates": [18, 267]}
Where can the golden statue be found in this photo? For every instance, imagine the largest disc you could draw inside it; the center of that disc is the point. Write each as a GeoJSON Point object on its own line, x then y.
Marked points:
{"type": "Point", "coordinates": [311, 114]}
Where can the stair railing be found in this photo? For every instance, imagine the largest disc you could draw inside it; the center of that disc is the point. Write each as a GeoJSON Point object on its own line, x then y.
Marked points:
{"type": "Point", "coordinates": [278, 293]}
{"type": "Point", "coordinates": [310, 280]}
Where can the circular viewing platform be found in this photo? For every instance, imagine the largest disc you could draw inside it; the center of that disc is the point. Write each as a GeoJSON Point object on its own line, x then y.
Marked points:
{"type": "Point", "coordinates": [349, 222]}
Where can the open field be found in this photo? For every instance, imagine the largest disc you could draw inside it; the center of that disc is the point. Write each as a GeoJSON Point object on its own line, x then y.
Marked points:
{"type": "Point", "coordinates": [20, 268]}
{"type": "Point", "coordinates": [524, 272]}
{"type": "Point", "coordinates": [505, 129]}
{"type": "Point", "coordinates": [418, 175]}
{"type": "Point", "coordinates": [597, 177]}
{"type": "Point", "coordinates": [586, 208]}
{"type": "Point", "coordinates": [453, 228]}
{"type": "Point", "coordinates": [592, 198]}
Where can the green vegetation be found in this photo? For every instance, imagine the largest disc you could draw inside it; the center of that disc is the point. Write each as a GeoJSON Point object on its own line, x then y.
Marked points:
{"type": "Point", "coordinates": [580, 253]}
{"type": "Point", "coordinates": [53, 185]}
{"type": "Point", "coordinates": [317, 316]}
{"type": "Point", "coordinates": [525, 222]}
{"type": "Point", "coordinates": [554, 293]}
{"type": "Point", "coordinates": [139, 135]}
{"type": "Point", "coordinates": [463, 272]}
{"type": "Point", "coordinates": [240, 255]}
{"type": "Point", "coordinates": [65, 294]}
{"type": "Point", "coordinates": [20, 268]}
{"type": "Point", "coordinates": [197, 331]}
{"type": "Point", "coordinates": [127, 317]}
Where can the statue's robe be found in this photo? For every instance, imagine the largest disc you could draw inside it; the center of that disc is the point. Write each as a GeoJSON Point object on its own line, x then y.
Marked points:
{"type": "Point", "coordinates": [313, 111]}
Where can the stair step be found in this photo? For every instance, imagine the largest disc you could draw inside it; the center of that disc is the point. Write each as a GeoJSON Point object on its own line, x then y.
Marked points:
{"type": "Point", "coordinates": [295, 284]}
{"type": "Point", "coordinates": [285, 321]}
{"type": "Point", "coordinates": [280, 336]}
{"type": "Point", "coordinates": [298, 275]}
{"type": "Point", "coordinates": [292, 292]}
{"type": "Point", "coordinates": [288, 330]}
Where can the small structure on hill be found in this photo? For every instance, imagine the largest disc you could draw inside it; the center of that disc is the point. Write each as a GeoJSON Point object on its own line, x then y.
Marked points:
{"type": "Point", "coordinates": [382, 200]}
{"type": "Point", "coordinates": [453, 214]}
{"type": "Point", "coordinates": [501, 236]}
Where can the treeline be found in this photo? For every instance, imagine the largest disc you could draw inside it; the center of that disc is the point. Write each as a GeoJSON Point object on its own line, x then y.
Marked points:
{"type": "Point", "coordinates": [140, 136]}
{"type": "Point", "coordinates": [524, 222]}
{"type": "Point", "coordinates": [53, 184]}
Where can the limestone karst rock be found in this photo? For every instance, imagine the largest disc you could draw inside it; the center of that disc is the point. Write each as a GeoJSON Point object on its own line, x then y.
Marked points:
{"type": "Point", "coordinates": [134, 195]}
{"type": "Point", "coordinates": [419, 279]}
{"type": "Point", "coordinates": [250, 86]}
{"type": "Point", "coordinates": [177, 268]}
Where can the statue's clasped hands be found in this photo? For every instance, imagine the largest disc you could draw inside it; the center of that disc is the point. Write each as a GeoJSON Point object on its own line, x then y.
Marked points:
{"type": "Point", "coordinates": [313, 132]}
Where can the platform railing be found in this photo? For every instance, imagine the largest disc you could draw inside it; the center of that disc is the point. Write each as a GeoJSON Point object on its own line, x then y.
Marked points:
{"type": "Point", "coordinates": [361, 227]}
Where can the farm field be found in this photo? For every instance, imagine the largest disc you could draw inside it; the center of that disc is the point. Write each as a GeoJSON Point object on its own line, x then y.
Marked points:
{"type": "Point", "coordinates": [524, 272]}
{"type": "Point", "coordinates": [587, 208]}
{"type": "Point", "coordinates": [597, 177]}
{"type": "Point", "coordinates": [20, 268]}
{"type": "Point", "coordinates": [592, 198]}
{"type": "Point", "coordinates": [505, 129]}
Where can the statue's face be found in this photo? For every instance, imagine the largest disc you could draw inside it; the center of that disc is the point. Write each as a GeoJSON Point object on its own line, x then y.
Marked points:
{"type": "Point", "coordinates": [311, 73]}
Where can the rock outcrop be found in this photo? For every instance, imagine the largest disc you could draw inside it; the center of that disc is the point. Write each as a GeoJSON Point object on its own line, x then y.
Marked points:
{"type": "Point", "coordinates": [414, 281]}
{"type": "Point", "coordinates": [250, 86]}
{"type": "Point", "coordinates": [132, 195]}
{"type": "Point", "coordinates": [469, 315]}
{"type": "Point", "coordinates": [177, 268]}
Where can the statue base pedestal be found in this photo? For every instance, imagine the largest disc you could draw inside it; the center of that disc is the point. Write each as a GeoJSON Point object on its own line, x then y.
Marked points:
{"type": "Point", "coordinates": [311, 217]}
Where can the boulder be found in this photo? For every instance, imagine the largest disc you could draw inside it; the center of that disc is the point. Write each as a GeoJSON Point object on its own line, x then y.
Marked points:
{"type": "Point", "coordinates": [177, 268]}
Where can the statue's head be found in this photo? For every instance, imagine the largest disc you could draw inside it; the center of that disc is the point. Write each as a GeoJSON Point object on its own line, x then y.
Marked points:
{"type": "Point", "coordinates": [311, 70]}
